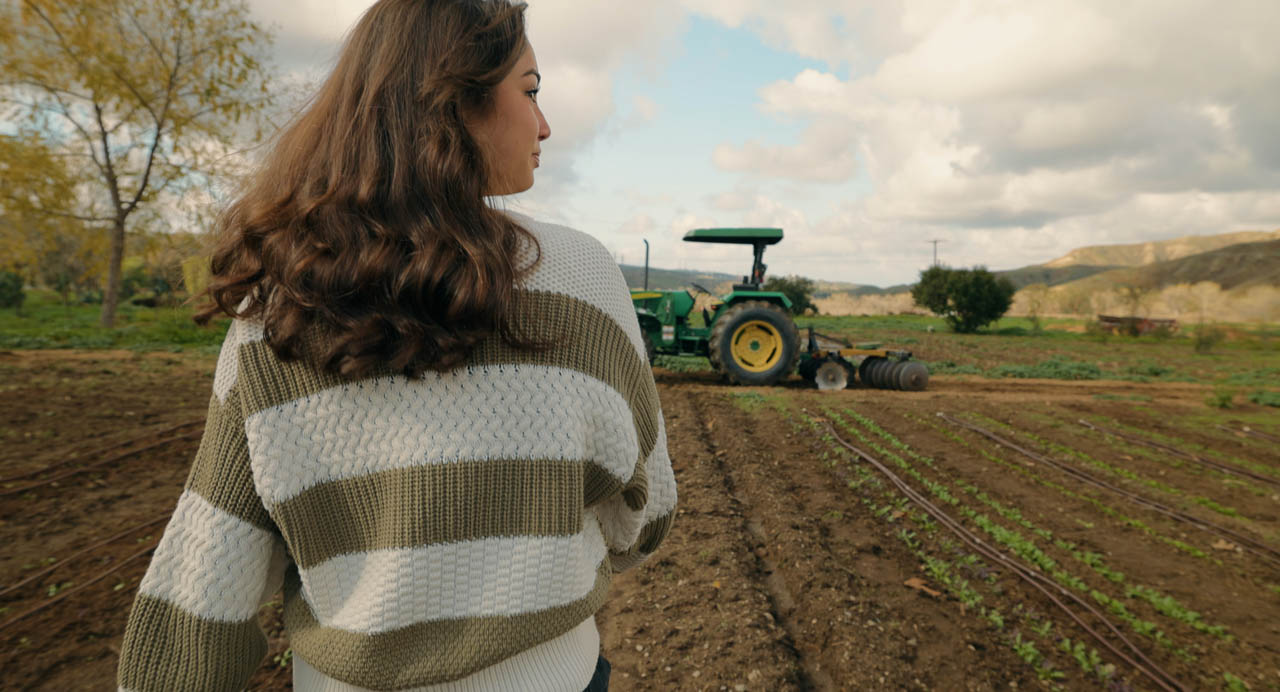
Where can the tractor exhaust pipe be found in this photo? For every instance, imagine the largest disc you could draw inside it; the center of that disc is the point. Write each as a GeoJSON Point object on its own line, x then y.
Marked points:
{"type": "Point", "coordinates": [646, 264]}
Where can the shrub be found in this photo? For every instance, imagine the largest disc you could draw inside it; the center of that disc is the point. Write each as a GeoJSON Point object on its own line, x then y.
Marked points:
{"type": "Point", "coordinates": [967, 299]}
{"type": "Point", "coordinates": [1206, 336]}
{"type": "Point", "coordinates": [1222, 398]}
{"type": "Point", "coordinates": [11, 293]}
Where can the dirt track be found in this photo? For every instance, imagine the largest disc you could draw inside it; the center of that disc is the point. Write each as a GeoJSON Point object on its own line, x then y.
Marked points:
{"type": "Point", "coordinates": [792, 565]}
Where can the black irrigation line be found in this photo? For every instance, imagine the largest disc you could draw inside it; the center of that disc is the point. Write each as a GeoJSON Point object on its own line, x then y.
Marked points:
{"type": "Point", "coordinates": [74, 458]}
{"type": "Point", "coordinates": [1256, 547]}
{"type": "Point", "coordinates": [1041, 583]}
{"type": "Point", "coordinates": [1250, 432]}
{"type": "Point", "coordinates": [1183, 454]}
{"type": "Point", "coordinates": [40, 573]}
{"type": "Point", "coordinates": [103, 462]}
{"type": "Point", "coordinates": [67, 592]}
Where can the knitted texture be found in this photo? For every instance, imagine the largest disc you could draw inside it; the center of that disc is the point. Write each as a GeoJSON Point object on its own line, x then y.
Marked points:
{"type": "Point", "coordinates": [456, 531]}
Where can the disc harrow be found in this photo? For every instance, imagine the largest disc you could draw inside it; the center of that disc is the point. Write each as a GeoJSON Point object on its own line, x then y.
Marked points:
{"type": "Point", "coordinates": [829, 364]}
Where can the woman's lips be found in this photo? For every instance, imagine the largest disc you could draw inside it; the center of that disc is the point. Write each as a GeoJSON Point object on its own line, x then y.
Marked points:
{"type": "Point", "coordinates": [537, 160]}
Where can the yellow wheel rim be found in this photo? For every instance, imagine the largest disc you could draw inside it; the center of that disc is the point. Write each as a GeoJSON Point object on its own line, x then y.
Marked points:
{"type": "Point", "coordinates": [757, 346]}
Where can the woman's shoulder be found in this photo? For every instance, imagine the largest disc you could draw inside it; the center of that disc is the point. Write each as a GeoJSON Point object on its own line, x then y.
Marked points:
{"type": "Point", "coordinates": [559, 239]}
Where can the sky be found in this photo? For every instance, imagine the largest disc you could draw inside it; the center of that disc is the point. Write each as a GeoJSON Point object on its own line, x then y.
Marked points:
{"type": "Point", "coordinates": [1009, 131]}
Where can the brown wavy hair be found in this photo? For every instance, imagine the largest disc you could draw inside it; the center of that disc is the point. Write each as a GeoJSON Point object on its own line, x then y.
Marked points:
{"type": "Point", "coordinates": [368, 218]}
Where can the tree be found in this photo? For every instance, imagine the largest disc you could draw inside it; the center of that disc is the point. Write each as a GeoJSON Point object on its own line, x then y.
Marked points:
{"type": "Point", "coordinates": [966, 298]}
{"type": "Point", "coordinates": [124, 108]}
{"type": "Point", "coordinates": [797, 289]}
{"type": "Point", "coordinates": [1035, 296]}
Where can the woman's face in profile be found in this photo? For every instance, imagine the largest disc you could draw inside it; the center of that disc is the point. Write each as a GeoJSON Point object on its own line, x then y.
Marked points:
{"type": "Point", "coordinates": [511, 134]}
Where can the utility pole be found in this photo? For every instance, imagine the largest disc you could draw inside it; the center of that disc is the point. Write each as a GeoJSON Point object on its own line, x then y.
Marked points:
{"type": "Point", "coordinates": [935, 242]}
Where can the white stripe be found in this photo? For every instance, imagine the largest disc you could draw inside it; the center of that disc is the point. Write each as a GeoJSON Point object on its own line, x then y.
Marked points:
{"type": "Point", "coordinates": [224, 375]}
{"type": "Point", "coordinates": [662, 481]}
{"type": "Point", "coordinates": [506, 412]}
{"type": "Point", "coordinates": [209, 563]}
{"type": "Point", "coordinates": [383, 590]}
{"type": "Point", "coordinates": [577, 265]}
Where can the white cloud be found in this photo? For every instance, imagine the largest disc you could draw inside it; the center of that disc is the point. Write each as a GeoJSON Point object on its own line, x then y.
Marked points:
{"type": "Point", "coordinates": [640, 224]}
{"type": "Point", "coordinates": [1021, 121]}
{"type": "Point", "coordinates": [823, 155]}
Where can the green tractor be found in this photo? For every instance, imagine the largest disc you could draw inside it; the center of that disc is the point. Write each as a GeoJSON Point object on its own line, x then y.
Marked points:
{"type": "Point", "coordinates": [749, 336]}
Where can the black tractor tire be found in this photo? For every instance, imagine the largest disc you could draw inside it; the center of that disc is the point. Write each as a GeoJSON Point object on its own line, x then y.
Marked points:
{"type": "Point", "coordinates": [780, 357]}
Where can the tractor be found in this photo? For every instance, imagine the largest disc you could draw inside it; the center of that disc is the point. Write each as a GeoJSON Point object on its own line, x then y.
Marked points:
{"type": "Point", "coordinates": [749, 336]}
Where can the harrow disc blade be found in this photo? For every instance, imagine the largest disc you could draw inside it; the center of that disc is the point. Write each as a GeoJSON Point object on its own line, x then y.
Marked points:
{"type": "Point", "coordinates": [893, 374]}
{"type": "Point", "coordinates": [864, 370]}
{"type": "Point", "coordinates": [913, 377]}
{"type": "Point", "coordinates": [879, 372]}
{"type": "Point", "coordinates": [831, 375]}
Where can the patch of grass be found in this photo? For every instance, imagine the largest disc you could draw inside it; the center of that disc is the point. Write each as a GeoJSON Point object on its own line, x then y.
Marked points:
{"type": "Point", "coordinates": [1265, 398]}
{"type": "Point", "coordinates": [1056, 368]}
{"type": "Point", "coordinates": [47, 324]}
{"type": "Point", "coordinates": [682, 363]}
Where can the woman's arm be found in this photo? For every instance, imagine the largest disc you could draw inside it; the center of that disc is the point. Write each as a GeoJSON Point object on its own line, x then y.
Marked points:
{"type": "Point", "coordinates": [194, 624]}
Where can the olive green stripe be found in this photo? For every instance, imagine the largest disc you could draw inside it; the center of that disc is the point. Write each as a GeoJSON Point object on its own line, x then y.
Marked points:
{"type": "Point", "coordinates": [599, 484]}
{"type": "Point", "coordinates": [437, 503]}
{"type": "Point", "coordinates": [221, 473]}
{"type": "Point", "coordinates": [166, 648]}
{"type": "Point", "coordinates": [583, 338]}
{"type": "Point", "coordinates": [429, 652]}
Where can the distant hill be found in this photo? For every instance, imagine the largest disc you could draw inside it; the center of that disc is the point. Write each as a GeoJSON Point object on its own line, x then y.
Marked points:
{"type": "Point", "coordinates": [1228, 259]}
{"type": "Point", "coordinates": [671, 279]}
{"type": "Point", "coordinates": [1232, 267]}
{"type": "Point", "coordinates": [1140, 254]}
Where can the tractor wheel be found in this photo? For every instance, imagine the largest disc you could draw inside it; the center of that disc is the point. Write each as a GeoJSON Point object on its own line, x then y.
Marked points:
{"type": "Point", "coordinates": [648, 346]}
{"type": "Point", "coordinates": [754, 343]}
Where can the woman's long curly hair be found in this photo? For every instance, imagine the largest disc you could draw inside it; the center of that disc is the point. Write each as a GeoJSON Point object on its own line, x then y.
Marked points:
{"type": "Point", "coordinates": [368, 219]}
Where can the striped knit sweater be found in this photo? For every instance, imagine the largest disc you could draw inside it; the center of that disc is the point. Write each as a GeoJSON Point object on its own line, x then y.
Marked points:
{"type": "Point", "coordinates": [451, 533]}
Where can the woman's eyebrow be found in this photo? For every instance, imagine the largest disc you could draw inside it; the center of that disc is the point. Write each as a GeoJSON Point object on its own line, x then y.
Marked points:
{"type": "Point", "coordinates": [535, 74]}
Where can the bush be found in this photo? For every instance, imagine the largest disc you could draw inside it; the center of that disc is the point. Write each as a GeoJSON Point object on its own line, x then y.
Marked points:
{"type": "Point", "coordinates": [797, 289]}
{"type": "Point", "coordinates": [11, 293]}
{"type": "Point", "coordinates": [967, 299]}
{"type": "Point", "coordinates": [1222, 398]}
{"type": "Point", "coordinates": [1205, 336]}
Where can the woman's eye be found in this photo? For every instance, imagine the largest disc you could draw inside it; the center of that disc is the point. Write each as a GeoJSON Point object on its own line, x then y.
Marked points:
{"type": "Point", "coordinates": [532, 94]}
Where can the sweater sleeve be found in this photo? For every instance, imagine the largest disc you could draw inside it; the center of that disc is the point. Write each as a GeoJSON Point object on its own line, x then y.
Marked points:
{"type": "Point", "coordinates": [636, 521]}
{"type": "Point", "coordinates": [194, 625]}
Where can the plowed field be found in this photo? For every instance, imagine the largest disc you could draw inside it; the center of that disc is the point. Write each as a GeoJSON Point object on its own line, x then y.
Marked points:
{"type": "Point", "coordinates": [796, 562]}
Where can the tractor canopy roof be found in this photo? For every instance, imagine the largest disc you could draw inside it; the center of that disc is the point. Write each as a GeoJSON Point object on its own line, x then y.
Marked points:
{"type": "Point", "coordinates": [745, 236]}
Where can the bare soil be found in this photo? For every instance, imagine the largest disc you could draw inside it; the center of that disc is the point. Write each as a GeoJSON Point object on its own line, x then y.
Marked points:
{"type": "Point", "coordinates": [788, 569]}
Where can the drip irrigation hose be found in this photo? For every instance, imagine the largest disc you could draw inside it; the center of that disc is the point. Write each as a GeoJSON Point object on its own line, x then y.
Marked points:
{"type": "Point", "coordinates": [32, 577]}
{"type": "Point", "coordinates": [1250, 432]}
{"type": "Point", "coordinates": [1256, 547]}
{"type": "Point", "coordinates": [68, 592]}
{"type": "Point", "coordinates": [1032, 577]}
{"type": "Point", "coordinates": [73, 458]}
{"type": "Point", "coordinates": [1185, 455]}
{"type": "Point", "coordinates": [96, 464]}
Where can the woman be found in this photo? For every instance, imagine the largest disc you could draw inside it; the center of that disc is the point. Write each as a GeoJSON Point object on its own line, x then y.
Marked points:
{"type": "Point", "coordinates": [431, 422]}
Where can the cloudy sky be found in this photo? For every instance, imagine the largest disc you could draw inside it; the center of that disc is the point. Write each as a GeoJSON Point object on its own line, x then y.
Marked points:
{"type": "Point", "coordinates": [1009, 130]}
